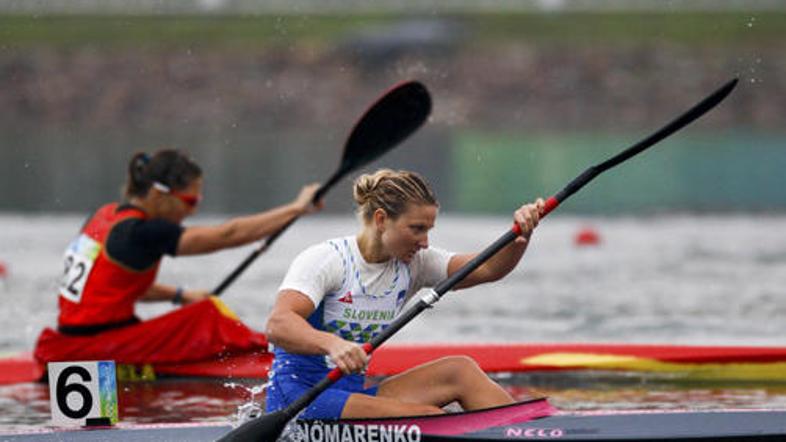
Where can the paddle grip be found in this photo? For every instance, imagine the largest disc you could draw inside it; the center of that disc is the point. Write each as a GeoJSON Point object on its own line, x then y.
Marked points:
{"type": "Point", "coordinates": [336, 374]}
{"type": "Point", "coordinates": [550, 204]}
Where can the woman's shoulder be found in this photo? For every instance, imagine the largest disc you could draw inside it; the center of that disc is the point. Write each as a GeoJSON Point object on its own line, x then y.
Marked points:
{"type": "Point", "coordinates": [330, 248]}
{"type": "Point", "coordinates": [320, 260]}
{"type": "Point", "coordinates": [432, 258]}
{"type": "Point", "coordinates": [136, 225]}
{"type": "Point", "coordinates": [432, 253]}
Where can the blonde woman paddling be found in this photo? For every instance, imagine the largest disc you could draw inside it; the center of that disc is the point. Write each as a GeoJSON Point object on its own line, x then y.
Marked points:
{"type": "Point", "coordinates": [339, 294]}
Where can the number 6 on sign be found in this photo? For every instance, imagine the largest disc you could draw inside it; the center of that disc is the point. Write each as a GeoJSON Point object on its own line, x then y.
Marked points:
{"type": "Point", "coordinates": [83, 393]}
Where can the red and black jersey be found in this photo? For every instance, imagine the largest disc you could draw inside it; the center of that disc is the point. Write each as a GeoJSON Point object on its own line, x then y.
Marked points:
{"type": "Point", "coordinates": [112, 263]}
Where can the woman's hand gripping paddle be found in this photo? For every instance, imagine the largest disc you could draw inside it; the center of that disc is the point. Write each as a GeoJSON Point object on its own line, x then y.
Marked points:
{"type": "Point", "coordinates": [270, 426]}
{"type": "Point", "coordinates": [390, 120]}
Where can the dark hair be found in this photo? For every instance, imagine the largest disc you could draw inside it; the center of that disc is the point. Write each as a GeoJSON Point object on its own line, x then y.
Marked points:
{"type": "Point", "coordinates": [170, 167]}
{"type": "Point", "coordinates": [391, 190]}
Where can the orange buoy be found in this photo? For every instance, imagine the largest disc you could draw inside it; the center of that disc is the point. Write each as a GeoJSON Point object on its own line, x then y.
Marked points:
{"type": "Point", "coordinates": [3, 270]}
{"type": "Point", "coordinates": [587, 236]}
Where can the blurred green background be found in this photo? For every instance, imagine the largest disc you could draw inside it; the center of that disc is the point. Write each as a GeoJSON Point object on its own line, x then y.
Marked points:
{"type": "Point", "coordinates": [526, 95]}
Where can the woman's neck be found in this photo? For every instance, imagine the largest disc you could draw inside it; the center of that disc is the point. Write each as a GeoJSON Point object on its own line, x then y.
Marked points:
{"type": "Point", "coordinates": [370, 246]}
{"type": "Point", "coordinates": [142, 203]}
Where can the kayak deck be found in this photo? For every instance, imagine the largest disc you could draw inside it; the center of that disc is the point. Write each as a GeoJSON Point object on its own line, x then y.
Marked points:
{"type": "Point", "coordinates": [644, 425]}
{"type": "Point", "coordinates": [634, 425]}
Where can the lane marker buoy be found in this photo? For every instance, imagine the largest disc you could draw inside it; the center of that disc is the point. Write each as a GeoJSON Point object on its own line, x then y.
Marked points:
{"type": "Point", "coordinates": [587, 236]}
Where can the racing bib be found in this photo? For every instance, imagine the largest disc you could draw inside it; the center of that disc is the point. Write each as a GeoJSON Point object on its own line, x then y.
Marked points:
{"type": "Point", "coordinates": [79, 258]}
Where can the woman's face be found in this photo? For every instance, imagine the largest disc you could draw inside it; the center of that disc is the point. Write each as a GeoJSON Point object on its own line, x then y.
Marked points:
{"type": "Point", "coordinates": [175, 205]}
{"type": "Point", "coordinates": [404, 236]}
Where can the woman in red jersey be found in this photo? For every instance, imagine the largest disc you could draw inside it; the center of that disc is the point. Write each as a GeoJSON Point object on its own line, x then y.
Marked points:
{"type": "Point", "coordinates": [113, 263]}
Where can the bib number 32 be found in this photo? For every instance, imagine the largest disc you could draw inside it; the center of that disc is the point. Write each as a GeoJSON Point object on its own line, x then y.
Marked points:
{"type": "Point", "coordinates": [78, 262]}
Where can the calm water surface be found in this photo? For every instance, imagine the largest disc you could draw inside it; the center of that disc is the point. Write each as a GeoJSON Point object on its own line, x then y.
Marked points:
{"type": "Point", "coordinates": [674, 279]}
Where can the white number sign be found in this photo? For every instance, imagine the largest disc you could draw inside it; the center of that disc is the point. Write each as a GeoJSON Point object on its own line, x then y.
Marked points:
{"type": "Point", "coordinates": [83, 393]}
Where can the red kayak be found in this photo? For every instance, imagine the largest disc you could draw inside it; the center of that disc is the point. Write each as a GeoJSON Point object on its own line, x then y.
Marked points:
{"type": "Point", "coordinates": [688, 362]}
{"type": "Point", "coordinates": [202, 339]}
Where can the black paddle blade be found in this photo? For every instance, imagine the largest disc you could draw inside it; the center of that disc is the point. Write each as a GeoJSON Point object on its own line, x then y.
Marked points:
{"type": "Point", "coordinates": [393, 118]}
{"type": "Point", "coordinates": [265, 428]}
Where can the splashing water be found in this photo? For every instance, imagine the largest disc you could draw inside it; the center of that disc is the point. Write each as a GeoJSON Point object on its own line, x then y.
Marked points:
{"type": "Point", "coordinates": [251, 409]}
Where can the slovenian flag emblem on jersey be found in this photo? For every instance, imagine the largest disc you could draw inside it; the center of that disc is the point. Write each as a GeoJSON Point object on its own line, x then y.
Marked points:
{"type": "Point", "coordinates": [347, 298]}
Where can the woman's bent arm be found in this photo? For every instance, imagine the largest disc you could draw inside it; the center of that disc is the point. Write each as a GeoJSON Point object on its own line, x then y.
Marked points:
{"type": "Point", "coordinates": [287, 328]}
{"type": "Point", "coordinates": [504, 261]}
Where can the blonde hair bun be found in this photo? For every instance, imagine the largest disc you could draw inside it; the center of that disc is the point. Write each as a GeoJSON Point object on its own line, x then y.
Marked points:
{"type": "Point", "coordinates": [391, 190]}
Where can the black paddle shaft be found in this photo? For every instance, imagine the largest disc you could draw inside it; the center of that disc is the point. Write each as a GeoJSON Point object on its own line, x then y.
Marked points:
{"type": "Point", "coordinates": [270, 426]}
{"type": "Point", "coordinates": [678, 123]}
{"type": "Point", "coordinates": [588, 175]}
{"type": "Point", "coordinates": [396, 115]}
